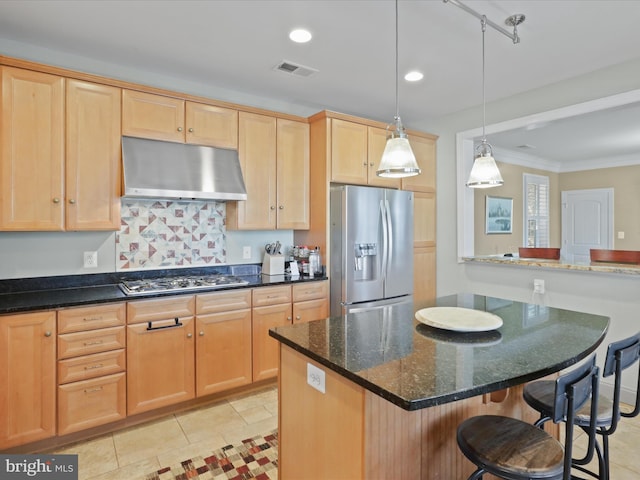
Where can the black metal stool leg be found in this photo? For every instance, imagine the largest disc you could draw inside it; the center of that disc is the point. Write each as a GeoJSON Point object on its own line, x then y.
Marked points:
{"type": "Point", "coordinates": [477, 475]}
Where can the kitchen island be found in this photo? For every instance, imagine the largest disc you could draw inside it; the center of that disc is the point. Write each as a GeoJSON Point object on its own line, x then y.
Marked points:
{"type": "Point", "coordinates": [377, 394]}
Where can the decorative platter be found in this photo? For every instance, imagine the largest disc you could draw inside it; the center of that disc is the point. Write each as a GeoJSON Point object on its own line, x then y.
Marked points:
{"type": "Point", "coordinates": [459, 319]}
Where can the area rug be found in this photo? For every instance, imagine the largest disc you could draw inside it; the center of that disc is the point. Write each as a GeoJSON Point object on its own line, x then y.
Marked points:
{"type": "Point", "coordinates": [255, 457]}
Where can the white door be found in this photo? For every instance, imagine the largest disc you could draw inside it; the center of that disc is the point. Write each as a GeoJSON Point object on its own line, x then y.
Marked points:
{"type": "Point", "coordinates": [587, 222]}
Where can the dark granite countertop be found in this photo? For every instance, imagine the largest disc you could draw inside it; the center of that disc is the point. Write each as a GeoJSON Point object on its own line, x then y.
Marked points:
{"type": "Point", "coordinates": [415, 366]}
{"type": "Point", "coordinates": [45, 293]}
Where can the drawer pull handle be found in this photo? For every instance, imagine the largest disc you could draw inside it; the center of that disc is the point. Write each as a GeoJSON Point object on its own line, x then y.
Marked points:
{"type": "Point", "coordinates": [91, 319]}
{"type": "Point", "coordinates": [177, 324]}
{"type": "Point", "coordinates": [97, 342]}
{"type": "Point", "coordinates": [92, 390]}
{"type": "Point", "coordinates": [91, 367]}
{"type": "Point", "coordinates": [47, 333]}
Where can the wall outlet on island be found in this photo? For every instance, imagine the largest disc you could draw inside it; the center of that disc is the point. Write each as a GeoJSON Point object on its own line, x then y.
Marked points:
{"type": "Point", "coordinates": [90, 259]}
{"type": "Point", "coordinates": [246, 253]}
{"type": "Point", "coordinates": [315, 377]}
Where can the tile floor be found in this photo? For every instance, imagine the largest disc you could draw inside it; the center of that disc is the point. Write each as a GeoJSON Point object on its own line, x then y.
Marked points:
{"type": "Point", "coordinates": [132, 453]}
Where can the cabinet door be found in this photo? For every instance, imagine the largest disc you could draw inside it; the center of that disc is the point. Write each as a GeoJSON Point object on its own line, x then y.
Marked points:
{"type": "Point", "coordinates": [310, 310]}
{"type": "Point", "coordinates": [257, 152]}
{"type": "Point", "coordinates": [376, 141]}
{"type": "Point", "coordinates": [292, 174]}
{"type": "Point", "coordinates": [93, 157]}
{"type": "Point", "coordinates": [160, 365]}
{"type": "Point", "coordinates": [28, 378]}
{"type": "Point", "coordinates": [223, 351]}
{"type": "Point", "coordinates": [32, 150]}
{"type": "Point", "coordinates": [348, 152]}
{"type": "Point", "coordinates": [424, 219]}
{"type": "Point", "coordinates": [152, 116]}
{"type": "Point", "coordinates": [424, 246]}
{"type": "Point", "coordinates": [425, 151]}
{"type": "Point", "coordinates": [424, 274]}
{"type": "Point", "coordinates": [211, 125]}
{"type": "Point", "coordinates": [265, 348]}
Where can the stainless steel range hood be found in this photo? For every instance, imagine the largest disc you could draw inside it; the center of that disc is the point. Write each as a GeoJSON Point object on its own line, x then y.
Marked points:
{"type": "Point", "coordinates": [157, 169]}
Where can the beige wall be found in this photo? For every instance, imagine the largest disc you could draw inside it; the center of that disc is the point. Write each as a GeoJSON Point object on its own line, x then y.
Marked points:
{"type": "Point", "coordinates": [626, 204]}
{"type": "Point", "coordinates": [513, 187]}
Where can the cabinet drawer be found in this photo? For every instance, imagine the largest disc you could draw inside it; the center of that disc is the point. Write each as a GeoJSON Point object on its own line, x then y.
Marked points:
{"type": "Point", "coordinates": [94, 341]}
{"type": "Point", "coordinates": [161, 309]}
{"type": "Point", "coordinates": [91, 366]}
{"type": "Point", "coordinates": [310, 291]}
{"type": "Point", "coordinates": [89, 403]}
{"type": "Point", "coordinates": [91, 318]}
{"type": "Point", "coordinates": [271, 295]}
{"type": "Point", "coordinates": [223, 301]}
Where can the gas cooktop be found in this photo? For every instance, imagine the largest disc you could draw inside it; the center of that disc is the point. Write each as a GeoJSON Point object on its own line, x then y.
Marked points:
{"type": "Point", "coordinates": [182, 283]}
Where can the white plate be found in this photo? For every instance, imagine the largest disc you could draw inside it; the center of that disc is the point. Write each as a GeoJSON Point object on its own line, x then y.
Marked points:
{"type": "Point", "coordinates": [459, 319]}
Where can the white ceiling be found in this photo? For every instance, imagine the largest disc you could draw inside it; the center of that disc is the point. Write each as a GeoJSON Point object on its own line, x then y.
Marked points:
{"type": "Point", "coordinates": [235, 45]}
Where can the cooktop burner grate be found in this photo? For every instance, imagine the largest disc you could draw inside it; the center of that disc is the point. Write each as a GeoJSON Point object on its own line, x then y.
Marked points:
{"type": "Point", "coordinates": [182, 283]}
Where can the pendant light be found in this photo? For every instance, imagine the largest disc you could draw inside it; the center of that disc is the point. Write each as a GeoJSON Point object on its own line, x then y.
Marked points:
{"type": "Point", "coordinates": [484, 173]}
{"type": "Point", "coordinates": [398, 159]}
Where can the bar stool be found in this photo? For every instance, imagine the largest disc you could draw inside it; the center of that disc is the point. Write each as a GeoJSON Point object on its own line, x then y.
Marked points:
{"type": "Point", "coordinates": [516, 450]}
{"type": "Point", "coordinates": [620, 356]}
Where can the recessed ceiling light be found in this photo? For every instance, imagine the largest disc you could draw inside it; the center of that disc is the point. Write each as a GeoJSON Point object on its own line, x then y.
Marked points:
{"type": "Point", "coordinates": [300, 35]}
{"type": "Point", "coordinates": [413, 76]}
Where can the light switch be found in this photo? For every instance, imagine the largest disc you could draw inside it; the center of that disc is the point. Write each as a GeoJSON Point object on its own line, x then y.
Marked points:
{"type": "Point", "coordinates": [620, 235]}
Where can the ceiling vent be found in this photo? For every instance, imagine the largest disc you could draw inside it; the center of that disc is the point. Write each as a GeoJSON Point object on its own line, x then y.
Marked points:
{"type": "Point", "coordinates": [295, 69]}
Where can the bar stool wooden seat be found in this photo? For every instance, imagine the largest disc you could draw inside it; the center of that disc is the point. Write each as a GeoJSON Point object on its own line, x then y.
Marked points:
{"type": "Point", "coordinates": [515, 450]}
{"type": "Point", "coordinates": [620, 356]}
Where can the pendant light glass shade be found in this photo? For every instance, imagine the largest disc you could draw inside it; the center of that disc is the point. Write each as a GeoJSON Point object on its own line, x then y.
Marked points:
{"type": "Point", "coordinates": [397, 160]}
{"type": "Point", "coordinates": [484, 173]}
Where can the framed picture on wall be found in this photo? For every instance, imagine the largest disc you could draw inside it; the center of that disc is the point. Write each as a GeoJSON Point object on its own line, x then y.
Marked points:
{"type": "Point", "coordinates": [499, 215]}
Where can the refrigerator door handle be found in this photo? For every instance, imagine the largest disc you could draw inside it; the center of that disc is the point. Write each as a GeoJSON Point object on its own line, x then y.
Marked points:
{"type": "Point", "coordinates": [389, 242]}
{"type": "Point", "coordinates": [385, 236]}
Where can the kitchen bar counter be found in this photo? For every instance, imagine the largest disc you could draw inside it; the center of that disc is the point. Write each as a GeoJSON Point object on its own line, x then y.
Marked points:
{"type": "Point", "coordinates": [599, 267]}
{"type": "Point", "coordinates": [395, 390]}
{"type": "Point", "coordinates": [43, 293]}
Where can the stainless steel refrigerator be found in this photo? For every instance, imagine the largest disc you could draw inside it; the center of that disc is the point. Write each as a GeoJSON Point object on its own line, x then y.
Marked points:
{"type": "Point", "coordinates": [371, 247]}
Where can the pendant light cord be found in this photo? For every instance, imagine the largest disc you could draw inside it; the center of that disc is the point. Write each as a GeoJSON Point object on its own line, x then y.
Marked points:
{"type": "Point", "coordinates": [483, 22]}
{"type": "Point", "coordinates": [397, 101]}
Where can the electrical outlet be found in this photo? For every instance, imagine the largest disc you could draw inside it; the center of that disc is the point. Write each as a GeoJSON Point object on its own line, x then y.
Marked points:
{"type": "Point", "coordinates": [538, 286]}
{"type": "Point", "coordinates": [315, 377]}
{"type": "Point", "coordinates": [620, 235]}
{"type": "Point", "coordinates": [246, 252]}
{"type": "Point", "coordinates": [90, 259]}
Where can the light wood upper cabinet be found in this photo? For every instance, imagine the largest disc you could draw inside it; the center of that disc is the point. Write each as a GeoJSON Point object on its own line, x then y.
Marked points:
{"type": "Point", "coordinates": [356, 151]}
{"type": "Point", "coordinates": [93, 156]}
{"type": "Point", "coordinates": [424, 148]}
{"type": "Point", "coordinates": [32, 151]}
{"type": "Point", "coordinates": [292, 181]}
{"type": "Point", "coordinates": [172, 119]}
{"type": "Point", "coordinates": [28, 378]}
{"type": "Point", "coordinates": [274, 156]}
{"type": "Point", "coordinates": [424, 247]}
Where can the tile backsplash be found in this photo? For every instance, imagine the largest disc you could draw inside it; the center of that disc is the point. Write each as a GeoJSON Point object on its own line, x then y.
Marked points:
{"type": "Point", "coordinates": [170, 233]}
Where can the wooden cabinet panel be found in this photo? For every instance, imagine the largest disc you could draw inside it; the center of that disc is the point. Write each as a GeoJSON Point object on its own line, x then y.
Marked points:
{"type": "Point", "coordinates": [310, 310]}
{"type": "Point", "coordinates": [424, 219]}
{"type": "Point", "coordinates": [424, 148]}
{"type": "Point", "coordinates": [93, 341]}
{"type": "Point", "coordinates": [91, 366]}
{"type": "Point", "coordinates": [92, 156]}
{"type": "Point", "coordinates": [310, 291]}
{"type": "Point", "coordinates": [424, 274]}
{"type": "Point", "coordinates": [257, 152]}
{"type": "Point", "coordinates": [223, 351]}
{"type": "Point", "coordinates": [32, 150]}
{"type": "Point", "coordinates": [292, 174]}
{"type": "Point", "coordinates": [265, 348]}
{"type": "Point", "coordinates": [152, 116]}
{"type": "Point", "coordinates": [211, 125]}
{"type": "Point", "coordinates": [160, 365]}
{"type": "Point", "coordinates": [91, 318]}
{"type": "Point", "coordinates": [348, 152]}
{"type": "Point", "coordinates": [377, 141]}
{"type": "Point", "coordinates": [271, 295]}
{"type": "Point", "coordinates": [160, 309]}
{"type": "Point", "coordinates": [223, 301]}
{"type": "Point", "coordinates": [28, 378]}
{"type": "Point", "coordinates": [90, 403]}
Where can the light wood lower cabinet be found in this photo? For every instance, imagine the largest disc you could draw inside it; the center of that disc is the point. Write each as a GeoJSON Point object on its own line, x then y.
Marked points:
{"type": "Point", "coordinates": [91, 367]}
{"type": "Point", "coordinates": [271, 308]}
{"type": "Point", "coordinates": [223, 342]}
{"type": "Point", "coordinates": [27, 378]}
{"type": "Point", "coordinates": [160, 353]}
{"type": "Point", "coordinates": [310, 301]}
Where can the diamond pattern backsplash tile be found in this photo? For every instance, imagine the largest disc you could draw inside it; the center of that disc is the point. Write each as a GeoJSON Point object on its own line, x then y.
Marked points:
{"type": "Point", "coordinates": [170, 233]}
